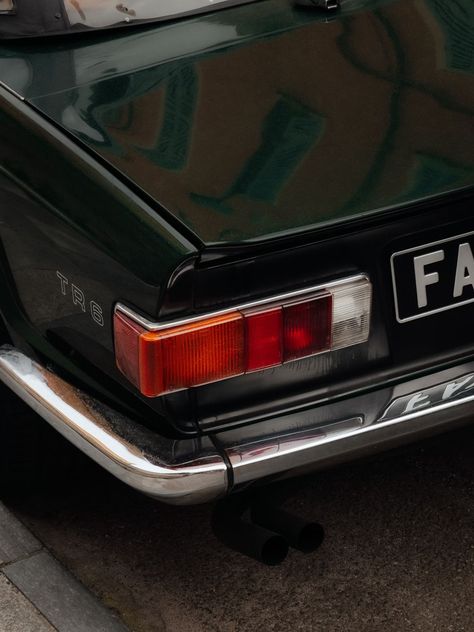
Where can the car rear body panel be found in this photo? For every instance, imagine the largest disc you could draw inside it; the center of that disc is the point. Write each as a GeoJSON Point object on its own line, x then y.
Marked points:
{"type": "Point", "coordinates": [74, 239]}
{"type": "Point", "coordinates": [269, 149]}
{"type": "Point", "coordinates": [394, 350]}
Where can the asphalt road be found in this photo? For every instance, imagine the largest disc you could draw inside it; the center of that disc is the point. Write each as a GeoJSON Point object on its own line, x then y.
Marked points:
{"type": "Point", "coordinates": [398, 554]}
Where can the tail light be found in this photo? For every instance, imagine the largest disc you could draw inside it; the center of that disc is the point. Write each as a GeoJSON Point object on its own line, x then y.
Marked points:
{"type": "Point", "coordinates": [163, 358]}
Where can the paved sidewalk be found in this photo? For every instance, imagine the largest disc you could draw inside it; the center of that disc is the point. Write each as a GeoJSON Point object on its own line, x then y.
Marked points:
{"type": "Point", "coordinates": [37, 594]}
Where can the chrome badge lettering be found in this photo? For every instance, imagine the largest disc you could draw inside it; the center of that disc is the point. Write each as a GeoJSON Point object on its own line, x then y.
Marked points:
{"type": "Point", "coordinates": [431, 397]}
{"type": "Point", "coordinates": [78, 298]}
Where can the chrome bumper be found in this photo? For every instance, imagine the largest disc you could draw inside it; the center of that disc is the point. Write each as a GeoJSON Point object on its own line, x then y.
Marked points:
{"type": "Point", "coordinates": [178, 472]}
{"type": "Point", "coordinates": [190, 471]}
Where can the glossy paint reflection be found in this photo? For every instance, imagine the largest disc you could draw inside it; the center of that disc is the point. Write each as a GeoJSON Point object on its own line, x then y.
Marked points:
{"type": "Point", "coordinates": [264, 120]}
{"type": "Point", "coordinates": [106, 13]}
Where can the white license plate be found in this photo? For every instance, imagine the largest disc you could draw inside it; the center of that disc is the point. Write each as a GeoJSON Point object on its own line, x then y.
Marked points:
{"type": "Point", "coordinates": [434, 277]}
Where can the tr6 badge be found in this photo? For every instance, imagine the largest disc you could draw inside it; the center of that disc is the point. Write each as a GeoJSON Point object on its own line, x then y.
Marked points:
{"type": "Point", "coordinates": [78, 298]}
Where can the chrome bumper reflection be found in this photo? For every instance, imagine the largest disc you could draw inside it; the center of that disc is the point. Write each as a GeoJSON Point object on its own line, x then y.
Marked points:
{"type": "Point", "coordinates": [382, 419]}
{"type": "Point", "coordinates": [177, 472]}
{"type": "Point", "coordinates": [192, 470]}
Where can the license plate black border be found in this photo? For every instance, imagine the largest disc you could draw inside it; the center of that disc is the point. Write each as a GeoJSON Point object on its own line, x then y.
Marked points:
{"type": "Point", "coordinates": [394, 285]}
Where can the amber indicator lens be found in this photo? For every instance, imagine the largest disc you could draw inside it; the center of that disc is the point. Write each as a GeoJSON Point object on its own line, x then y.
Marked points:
{"type": "Point", "coordinates": [166, 358]}
{"type": "Point", "coordinates": [197, 353]}
{"type": "Point", "coordinates": [127, 336]}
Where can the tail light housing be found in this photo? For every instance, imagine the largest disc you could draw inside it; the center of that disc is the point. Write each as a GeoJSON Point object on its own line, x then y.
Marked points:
{"type": "Point", "coordinates": [167, 357]}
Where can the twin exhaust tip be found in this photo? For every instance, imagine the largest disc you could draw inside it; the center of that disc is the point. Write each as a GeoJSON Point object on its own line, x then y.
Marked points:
{"type": "Point", "coordinates": [264, 532]}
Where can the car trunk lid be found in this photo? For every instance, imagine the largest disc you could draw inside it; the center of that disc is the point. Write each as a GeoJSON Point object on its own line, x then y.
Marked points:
{"type": "Point", "coordinates": [262, 120]}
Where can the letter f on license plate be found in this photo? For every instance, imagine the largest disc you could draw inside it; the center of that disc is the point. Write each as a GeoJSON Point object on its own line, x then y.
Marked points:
{"type": "Point", "coordinates": [434, 277]}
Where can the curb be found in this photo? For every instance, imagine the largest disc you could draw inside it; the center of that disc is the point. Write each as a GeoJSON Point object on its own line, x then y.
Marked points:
{"type": "Point", "coordinates": [38, 594]}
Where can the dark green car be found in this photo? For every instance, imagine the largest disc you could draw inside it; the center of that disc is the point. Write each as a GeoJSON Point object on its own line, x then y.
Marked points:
{"type": "Point", "coordinates": [236, 240]}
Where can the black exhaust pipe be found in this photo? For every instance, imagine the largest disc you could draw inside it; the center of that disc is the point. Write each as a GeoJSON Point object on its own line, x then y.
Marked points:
{"type": "Point", "coordinates": [255, 541]}
{"type": "Point", "coordinates": [301, 534]}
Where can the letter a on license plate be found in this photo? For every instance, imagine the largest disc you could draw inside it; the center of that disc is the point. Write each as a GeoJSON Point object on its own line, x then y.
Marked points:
{"type": "Point", "coordinates": [434, 277]}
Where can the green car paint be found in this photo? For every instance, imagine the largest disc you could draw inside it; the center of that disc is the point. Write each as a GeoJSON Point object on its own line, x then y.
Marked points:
{"type": "Point", "coordinates": [173, 144]}
{"type": "Point", "coordinates": [265, 120]}
{"type": "Point", "coordinates": [76, 231]}
{"type": "Point", "coordinates": [134, 149]}
{"type": "Point", "coordinates": [288, 133]}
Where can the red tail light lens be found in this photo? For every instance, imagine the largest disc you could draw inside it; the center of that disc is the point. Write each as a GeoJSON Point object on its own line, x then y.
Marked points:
{"type": "Point", "coordinates": [162, 359]}
{"type": "Point", "coordinates": [264, 339]}
{"type": "Point", "coordinates": [307, 327]}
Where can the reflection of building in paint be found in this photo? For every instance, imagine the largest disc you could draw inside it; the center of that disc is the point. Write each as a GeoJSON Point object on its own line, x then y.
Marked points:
{"type": "Point", "coordinates": [15, 71]}
{"type": "Point", "coordinates": [288, 133]}
{"type": "Point", "coordinates": [324, 121]}
{"type": "Point", "coordinates": [171, 149]}
{"type": "Point", "coordinates": [431, 171]}
{"type": "Point", "coordinates": [104, 13]}
{"type": "Point", "coordinates": [168, 138]}
{"type": "Point", "coordinates": [456, 18]}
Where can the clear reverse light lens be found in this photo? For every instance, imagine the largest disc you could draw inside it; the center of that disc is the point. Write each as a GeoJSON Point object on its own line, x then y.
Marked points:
{"type": "Point", "coordinates": [351, 313]}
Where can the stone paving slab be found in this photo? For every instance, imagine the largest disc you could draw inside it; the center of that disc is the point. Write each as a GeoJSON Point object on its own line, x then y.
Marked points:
{"type": "Point", "coordinates": [17, 614]}
{"type": "Point", "coordinates": [15, 540]}
{"type": "Point", "coordinates": [37, 594]}
{"type": "Point", "coordinates": [59, 596]}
